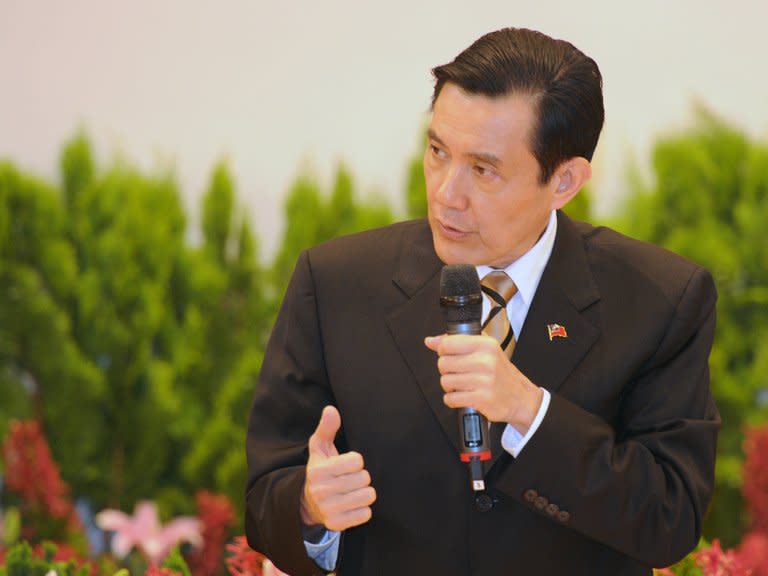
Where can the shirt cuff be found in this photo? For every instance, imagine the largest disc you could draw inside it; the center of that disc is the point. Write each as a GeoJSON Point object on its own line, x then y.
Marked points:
{"type": "Point", "coordinates": [326, 551]}
{"type": "Point", "coordinates": [512, 441]}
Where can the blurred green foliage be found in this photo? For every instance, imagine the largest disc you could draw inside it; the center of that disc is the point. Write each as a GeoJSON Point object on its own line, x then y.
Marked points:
{"type": "Point", "coordinates": [136, 350]}
{"type": "Point", "coordinates": [139, 351]}
{"type": "Point", "coordinates": [312, 216]}
{"type": "Point", "coordinates": [21, 561]}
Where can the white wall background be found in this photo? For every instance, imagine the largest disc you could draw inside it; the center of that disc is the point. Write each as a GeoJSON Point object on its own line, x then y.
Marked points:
{"type": "Point", "coordinates": [273, 85]}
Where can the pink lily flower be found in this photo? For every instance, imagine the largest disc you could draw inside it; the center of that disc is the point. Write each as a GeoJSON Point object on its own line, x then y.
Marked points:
{"type": "Point", "coordinates": [144, 531]}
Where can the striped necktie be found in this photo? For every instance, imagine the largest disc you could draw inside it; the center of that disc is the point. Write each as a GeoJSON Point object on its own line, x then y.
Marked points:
{"type": "Point", "coordinates": [499, 288]}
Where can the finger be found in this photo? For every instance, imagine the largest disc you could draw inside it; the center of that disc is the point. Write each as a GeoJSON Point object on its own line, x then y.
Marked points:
{"type": "Point", "coordinates": [461, 400]}
{"type": "Point", "coordinates": [452, 344]}
{"type": "Point", "coordinates": [336, 509]}
{"type": "Point", "coordinates": [466, 363]}
{"type": "Point", "coordinates": [321, 441]}
{"type": "Point", "coordinates": [350, 519]}
{"type": "Point", "coordinates": [342, 503]}
{"type": "Point", "coordinates": [323, 484]}
{"type": "Point", "coordinates": [321, 469]}
{"type": "Point", "coordinates": [433, 342]}
{"type": "Point", "coordinates": [353, 481]}
{"type": "Point", "coordinates": [466, 382]}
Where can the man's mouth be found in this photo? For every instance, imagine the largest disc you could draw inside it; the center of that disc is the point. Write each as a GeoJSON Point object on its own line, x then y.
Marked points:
{"type": "Point", "coordinates": [451, 232]}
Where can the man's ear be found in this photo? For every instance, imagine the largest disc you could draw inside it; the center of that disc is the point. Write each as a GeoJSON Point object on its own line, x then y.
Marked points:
{"type": "Point", "coordinates": [568, 179]}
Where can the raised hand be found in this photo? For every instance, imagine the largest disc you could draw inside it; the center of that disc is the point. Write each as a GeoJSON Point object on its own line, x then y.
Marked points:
{"type": "Point", "coordinates": [337, 490]}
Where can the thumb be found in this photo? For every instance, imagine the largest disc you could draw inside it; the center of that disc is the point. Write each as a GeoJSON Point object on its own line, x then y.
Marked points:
{"type": "Point", "coordinates": [321, 441]}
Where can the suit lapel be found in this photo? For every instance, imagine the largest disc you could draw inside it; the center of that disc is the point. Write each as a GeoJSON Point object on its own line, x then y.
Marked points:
{"type": "Point", "coordinates": [418, 277]}
{"type": "Point", "coordinates": [564, 294]}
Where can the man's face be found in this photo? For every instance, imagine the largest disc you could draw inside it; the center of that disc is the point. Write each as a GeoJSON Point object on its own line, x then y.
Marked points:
{"type": "Point", "coordinates": [485, 202]}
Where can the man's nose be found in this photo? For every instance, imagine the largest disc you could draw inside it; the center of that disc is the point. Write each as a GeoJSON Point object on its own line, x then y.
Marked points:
{"type": "Point", "coordinates": [451, 192]}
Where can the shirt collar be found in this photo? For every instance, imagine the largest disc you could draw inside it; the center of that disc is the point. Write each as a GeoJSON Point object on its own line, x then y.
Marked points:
{"type": "Point", "coordinates": [526, 271]}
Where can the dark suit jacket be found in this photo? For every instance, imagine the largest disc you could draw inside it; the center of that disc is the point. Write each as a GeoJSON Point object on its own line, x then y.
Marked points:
{"type": "Point", "coordinates": [615, 480]}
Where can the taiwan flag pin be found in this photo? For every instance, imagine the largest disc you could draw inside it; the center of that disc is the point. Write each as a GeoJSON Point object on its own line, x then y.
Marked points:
{"type": "Point", "coordinates": [556, 331]}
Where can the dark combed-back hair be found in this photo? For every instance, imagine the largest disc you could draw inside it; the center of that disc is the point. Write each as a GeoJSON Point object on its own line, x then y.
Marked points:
{"type": "Point", "coordinates": [564, 83]}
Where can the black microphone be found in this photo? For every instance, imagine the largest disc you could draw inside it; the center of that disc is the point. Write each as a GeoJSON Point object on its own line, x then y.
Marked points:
{"type": "Point", "coordinates": [461, 301]}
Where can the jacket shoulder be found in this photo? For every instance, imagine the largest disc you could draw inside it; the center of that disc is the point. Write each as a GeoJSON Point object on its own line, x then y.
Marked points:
{"type": "Point", "coordinates": [638, 263]}
{"type": "Point", "coordinates": [373, 252]}
{"type": "Point", "coordinates": [361, 244]}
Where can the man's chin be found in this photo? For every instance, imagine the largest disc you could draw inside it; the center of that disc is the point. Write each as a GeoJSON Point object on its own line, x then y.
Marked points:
{"type": "Point", "coordinates": [451, 252]}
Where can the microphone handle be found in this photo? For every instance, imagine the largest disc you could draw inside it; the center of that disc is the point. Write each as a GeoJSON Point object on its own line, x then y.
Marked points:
{"type": "Point", "coordinates": [473, 426]}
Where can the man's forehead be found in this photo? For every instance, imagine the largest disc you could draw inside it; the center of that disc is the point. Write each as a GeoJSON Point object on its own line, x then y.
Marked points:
{"type": "Point", "coordinates": [487, 123]}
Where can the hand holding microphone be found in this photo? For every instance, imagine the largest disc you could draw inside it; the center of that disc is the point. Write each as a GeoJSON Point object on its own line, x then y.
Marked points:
{"type": "Point", "coordinates": [477, 377]}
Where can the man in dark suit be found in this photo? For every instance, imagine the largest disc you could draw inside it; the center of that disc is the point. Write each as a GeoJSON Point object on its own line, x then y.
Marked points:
{"type": "Point", "coordinates": [603, 429]}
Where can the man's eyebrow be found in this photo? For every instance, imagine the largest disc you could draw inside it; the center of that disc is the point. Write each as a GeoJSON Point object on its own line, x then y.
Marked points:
{"type": "Point", "coordinates": [432, 135]}
{"type": "Point", "coordinates": [486, 157]}
{"type": "Point", "coordinates": [491, 159]}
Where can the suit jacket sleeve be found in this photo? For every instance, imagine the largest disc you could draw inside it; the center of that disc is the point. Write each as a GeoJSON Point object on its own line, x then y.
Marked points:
{"type": "Point", "coordinates": [290, 396]}
{"type": "Point", "coordinates": [640, 484]}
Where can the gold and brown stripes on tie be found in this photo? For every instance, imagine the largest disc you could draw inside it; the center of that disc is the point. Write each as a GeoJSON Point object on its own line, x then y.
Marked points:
{"type": "Point", "coordinates": [499, 288]}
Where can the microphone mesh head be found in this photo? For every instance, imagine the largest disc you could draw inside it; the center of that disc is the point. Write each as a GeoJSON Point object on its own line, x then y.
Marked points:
{"type": "Point", "coordinates": [459, 280]}
{"type": "Point", "coordinates": [460, 295]}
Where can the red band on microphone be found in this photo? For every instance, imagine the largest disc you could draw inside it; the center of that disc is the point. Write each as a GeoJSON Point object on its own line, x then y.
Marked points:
{"type": "Point", "coordinates": [467, 456]}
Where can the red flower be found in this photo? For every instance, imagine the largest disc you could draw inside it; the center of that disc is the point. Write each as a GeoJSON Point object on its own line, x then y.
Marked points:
{"type": "Point", "coordinates": [154, 570]}
{"type": "Point", "coordinates": [755, 475]}
{"type": "Point", "coordinates": [714, 561]}
{"type": "Point", "coordinates": [244, 561]}
{"type": "Point", "coordinates": [32, 473]}
{"type": "Point", "coordinates": [753, 553]}
{"type": "Point", "coordinates": [216, 514]}
{"type": "Point", "coordinates": [64, 553]}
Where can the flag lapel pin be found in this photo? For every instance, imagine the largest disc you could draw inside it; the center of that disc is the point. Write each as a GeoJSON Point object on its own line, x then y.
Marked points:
{"type": "Point", "coordinates": [556, 331]}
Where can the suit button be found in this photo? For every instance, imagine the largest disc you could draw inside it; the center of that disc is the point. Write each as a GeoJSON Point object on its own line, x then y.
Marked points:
{"type": "Point", "coordinates": [563, 516]}
{"type": "Point", "coordinates": [483, 502]}
{"type": "Point", "coordinates": [540, 503]}
{"type": "Point", "coordinates": [552, 510]}
{"type": "Point", "coordinates": [530, 495]}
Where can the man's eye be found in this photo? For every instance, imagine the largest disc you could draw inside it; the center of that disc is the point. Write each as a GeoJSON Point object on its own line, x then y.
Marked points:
{"type": "Point", "coordinates": [436, 151]}
{"type": "Point", "coordinates": [483, 170]}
